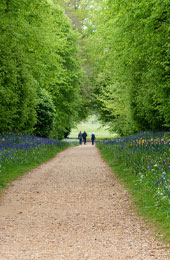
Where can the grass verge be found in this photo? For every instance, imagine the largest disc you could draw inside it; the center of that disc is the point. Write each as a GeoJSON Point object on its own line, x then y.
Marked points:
{"type": "Point", "coordinates": [26, 160]}
{"type": "Point", "coordinates": [156, 213]}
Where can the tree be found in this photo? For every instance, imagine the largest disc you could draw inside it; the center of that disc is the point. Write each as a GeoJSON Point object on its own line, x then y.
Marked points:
{"type": "Point", "coordinates": [45, 114]}
{"type": "Point", "coordinates": [38, 50]}
{"type": "Point", "coordinates": [130, 53]}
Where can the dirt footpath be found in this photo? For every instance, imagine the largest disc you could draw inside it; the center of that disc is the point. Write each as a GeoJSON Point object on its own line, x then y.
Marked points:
{"type": "Point", "coordinates": [73, 208]}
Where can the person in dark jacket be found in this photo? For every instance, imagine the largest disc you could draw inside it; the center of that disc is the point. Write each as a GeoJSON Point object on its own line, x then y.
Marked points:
{"type": "Point", "coordinates": [92, 138]}
{"type": "Point", "coordinates": [80, 137]}
{"type": "Point", "coordinates": [84, 137]}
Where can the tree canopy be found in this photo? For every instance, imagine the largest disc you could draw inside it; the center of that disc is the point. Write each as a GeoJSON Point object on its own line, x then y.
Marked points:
{"type": "Point", "coordinates": [109, 56]}
{"type": "Point", "coordinates": [38, 50]}
{"type": "Point", "coordinates": [128, 45]}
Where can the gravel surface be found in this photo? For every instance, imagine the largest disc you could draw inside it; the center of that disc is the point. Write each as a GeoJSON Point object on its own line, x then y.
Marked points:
{"type": "Point", "coordinates": [73, 208]}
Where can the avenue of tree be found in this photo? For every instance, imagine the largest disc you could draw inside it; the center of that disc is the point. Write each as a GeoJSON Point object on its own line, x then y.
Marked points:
{"type": "Point", "coordinates": [59, 60]}
{"type": "Point", "coordinates": [127, 48]}
{"type": "Point", "coordinates": [40, 73]}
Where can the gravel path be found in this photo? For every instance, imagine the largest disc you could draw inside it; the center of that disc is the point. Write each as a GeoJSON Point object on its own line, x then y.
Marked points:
{"type": "Point", "coordinates": [73, 208]}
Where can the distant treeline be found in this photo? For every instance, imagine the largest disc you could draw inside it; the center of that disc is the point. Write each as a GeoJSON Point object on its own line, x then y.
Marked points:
{"type": "Point", "coordinates": [39, 70]}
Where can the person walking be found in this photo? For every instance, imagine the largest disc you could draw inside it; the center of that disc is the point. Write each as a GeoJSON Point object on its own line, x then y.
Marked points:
{"type": "Point", "coordinates": [84, 137]}
{"type": "Point", "coordinates": [93, 138]}
{"type": "Point", "coordinates": [80, 137]}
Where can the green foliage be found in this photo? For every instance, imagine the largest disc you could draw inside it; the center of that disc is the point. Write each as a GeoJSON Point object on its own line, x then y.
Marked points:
{"type": "Point", "coordinates": [38, 49]}
{"type": "Point", "coordinates": [124, 50]}
{"type": "Point", "coordinates": [79, 12]}
{"type": "Point", "coordinates": [45, 114]}
{"type": "Point", "coordinates": [128, 46]}
{"type": "Point", "coordinates": [17, 86]}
